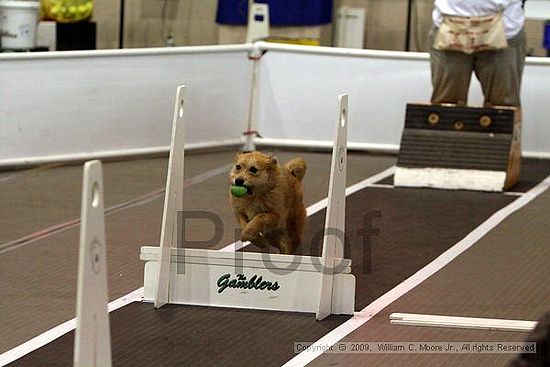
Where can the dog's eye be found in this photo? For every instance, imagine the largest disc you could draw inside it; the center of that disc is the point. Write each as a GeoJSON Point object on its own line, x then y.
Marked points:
{"type": "Point", "coordinates": [238, 167]}
{"type": "Point", "coordinates": [253, 169]}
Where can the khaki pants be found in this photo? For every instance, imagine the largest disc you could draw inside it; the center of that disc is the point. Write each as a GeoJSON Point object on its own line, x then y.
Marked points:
{"type": "Point", "coordinates": [499, 73]}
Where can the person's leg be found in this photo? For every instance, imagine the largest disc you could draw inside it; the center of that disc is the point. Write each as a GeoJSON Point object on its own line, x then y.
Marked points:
{"type": "Point", "coordinates": [451, 73]}
{"type": "Point", "coordinates": [499, 72]}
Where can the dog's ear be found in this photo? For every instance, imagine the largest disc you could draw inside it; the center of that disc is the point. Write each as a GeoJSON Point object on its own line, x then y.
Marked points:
{"type": "Point", "coordinates": [272, 160]}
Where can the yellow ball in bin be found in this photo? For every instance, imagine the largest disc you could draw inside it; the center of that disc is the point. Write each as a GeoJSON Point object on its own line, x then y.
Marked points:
{"type": "Point", "coordinates": [67, 11]}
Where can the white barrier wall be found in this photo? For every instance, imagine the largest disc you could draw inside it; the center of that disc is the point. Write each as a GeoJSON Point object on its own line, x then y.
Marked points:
{"type": "Point", "coordinates": [78, 105]}
{"type": "Point", "coordinates": [81, 105]}
{"type": "Point", "coordinates": [535, 99]}
{"type": "Point", "coordinates": [299, 87]}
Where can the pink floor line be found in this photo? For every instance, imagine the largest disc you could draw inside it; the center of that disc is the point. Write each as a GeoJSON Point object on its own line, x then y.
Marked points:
{"type": "Point", "coordinates": [141, 200]}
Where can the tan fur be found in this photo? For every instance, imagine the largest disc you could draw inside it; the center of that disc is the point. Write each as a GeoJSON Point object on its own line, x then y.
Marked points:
{"type": "Point", "coordinates": [273, 211]}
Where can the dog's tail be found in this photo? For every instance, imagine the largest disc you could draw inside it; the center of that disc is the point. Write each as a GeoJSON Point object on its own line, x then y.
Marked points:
{"type": "Point", "coordinates": [297, 167]}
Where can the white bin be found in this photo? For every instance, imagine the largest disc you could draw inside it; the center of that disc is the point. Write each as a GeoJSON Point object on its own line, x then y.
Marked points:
{"type": "Point", "coordinates": [18, 22]}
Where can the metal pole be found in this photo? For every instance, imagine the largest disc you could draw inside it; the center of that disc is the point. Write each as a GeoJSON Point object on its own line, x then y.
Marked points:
{"type": "Point", "coordinates": [408, 31]}
{"type": "Point", "coordinates": [121, 26]}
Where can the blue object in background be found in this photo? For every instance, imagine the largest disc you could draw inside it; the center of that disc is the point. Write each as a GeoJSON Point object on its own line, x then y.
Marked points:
{"type": "Point", "coordinates": [281, 12]}
{"type": "Point", "coordinates": [546, 42]}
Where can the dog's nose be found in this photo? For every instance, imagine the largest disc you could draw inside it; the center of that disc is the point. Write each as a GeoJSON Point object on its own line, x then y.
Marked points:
{"type": "Point", "coordinates": [239, 182]}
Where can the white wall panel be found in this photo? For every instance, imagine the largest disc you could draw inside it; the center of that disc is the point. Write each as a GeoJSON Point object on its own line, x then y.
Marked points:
{"type": "Point", "coordinates": [299, 88]}
{"type": "Point", "coordinates": [70, 105]}
{"type": "Point", "coordinates": [535, 99]}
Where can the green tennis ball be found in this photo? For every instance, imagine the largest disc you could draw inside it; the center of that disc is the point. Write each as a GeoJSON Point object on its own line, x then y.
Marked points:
{"type": "Point", "coordinates": [238, 191]}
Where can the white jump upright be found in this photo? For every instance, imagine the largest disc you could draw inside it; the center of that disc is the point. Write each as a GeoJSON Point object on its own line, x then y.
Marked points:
{"type": "Point", "coordinates": [92, 347]}
{"type": "Point", "coordinates": [245, 279]}
{"type": "Point", "coordinates": [333, 239]}
{"type": "Point", "coordinates": [173, 198]}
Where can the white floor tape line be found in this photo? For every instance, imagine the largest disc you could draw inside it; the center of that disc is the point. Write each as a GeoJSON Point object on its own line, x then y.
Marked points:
{"type": "Point", "coordinates": [60, 330]}
{"type": "Point", "coordinates": [513, 193]}
{"type": "Point", "coordinates": [378, 305]}
{"type": "Point", "coordinates": [137, 295]}
{"type": "Point", "coordinates": [368, 182]}
{"type": "Point", "coordinates": [383, 186]}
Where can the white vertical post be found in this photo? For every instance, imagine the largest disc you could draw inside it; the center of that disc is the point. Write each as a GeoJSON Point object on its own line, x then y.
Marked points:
{"type": "Point", "coordinates": [173, 199]}
{"type": "Point", "coordinates": [258, 22]}
{"type": "Point", "coordinates": [333, 240]}
{"type": "Point", "coordinates": [92, 347]}
{"type": "Point", "coordinates": [258, 28]}
{"type": "Point", "coordinates": [350, 27]}
{"type": "Point", "coordinates": [250, 133]}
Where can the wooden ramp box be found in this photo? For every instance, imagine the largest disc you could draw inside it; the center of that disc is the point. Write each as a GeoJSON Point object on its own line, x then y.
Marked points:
{"type": "Point", "coordinates": [457, 147]}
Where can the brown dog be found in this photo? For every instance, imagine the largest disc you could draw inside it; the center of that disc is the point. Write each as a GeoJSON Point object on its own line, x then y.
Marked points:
{"type": "Point", "coordinates": [270, 207]}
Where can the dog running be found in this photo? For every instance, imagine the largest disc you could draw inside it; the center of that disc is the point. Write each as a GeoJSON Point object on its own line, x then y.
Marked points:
{"type": "Point", "coordinates": [268, 200]}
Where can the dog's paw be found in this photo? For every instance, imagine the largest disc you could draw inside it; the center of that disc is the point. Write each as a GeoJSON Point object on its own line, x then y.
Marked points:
{"type": "Point", "coordinates": [255, 236]}
{"type": "Point", "coordinates": [246, 235]}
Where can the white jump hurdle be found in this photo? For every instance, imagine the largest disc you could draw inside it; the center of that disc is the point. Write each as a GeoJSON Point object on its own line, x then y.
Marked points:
{"type": "Point", "coordinates": [92, 345]}
{"type": "Point", "coordinates": [251, 280]}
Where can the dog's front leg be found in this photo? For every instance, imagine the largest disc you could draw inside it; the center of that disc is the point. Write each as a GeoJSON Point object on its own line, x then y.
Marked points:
{"type": "Point", "coordinates": [259, 229]}
{"type": "Point", "coordinates": [243, 220]}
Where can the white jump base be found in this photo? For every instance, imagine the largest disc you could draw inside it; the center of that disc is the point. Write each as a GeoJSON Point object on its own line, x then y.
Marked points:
{"type": "Point", "coordinates": [203, 278]}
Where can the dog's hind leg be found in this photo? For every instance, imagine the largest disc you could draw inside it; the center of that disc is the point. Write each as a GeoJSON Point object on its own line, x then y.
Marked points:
{"type": "Point", "coordinates": [295, 227]}
{"type": "Point", "coordinates": [284, 245]}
